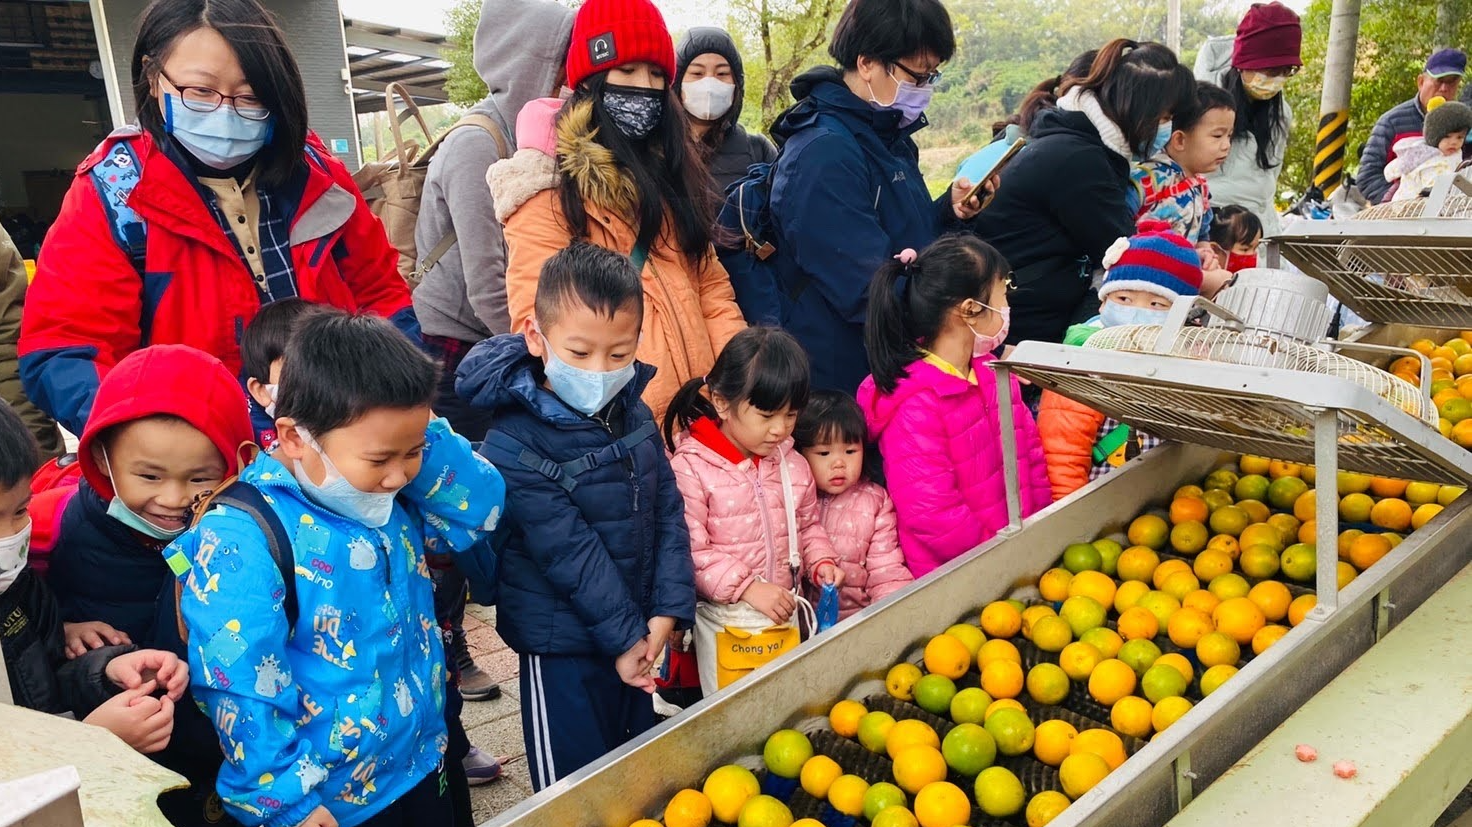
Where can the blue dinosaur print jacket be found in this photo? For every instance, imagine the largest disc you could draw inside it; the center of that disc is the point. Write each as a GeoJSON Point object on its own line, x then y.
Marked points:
{"type": "Point", "coordinates": [345, 710]}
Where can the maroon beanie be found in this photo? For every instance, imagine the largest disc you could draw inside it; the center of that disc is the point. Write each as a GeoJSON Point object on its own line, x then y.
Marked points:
{"type": "Point", "coordinates": [609, 33]}
{"type": "Point", "coordinates": [1267, 38]}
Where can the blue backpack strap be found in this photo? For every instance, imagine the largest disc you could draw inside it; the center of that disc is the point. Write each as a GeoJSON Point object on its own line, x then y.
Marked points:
{"type": "Point", "coordinates": [114, 178]}
{"type": "Point", "coordinates": [565, 474]}
{"type": "Point", "coordinates": [248, 498]}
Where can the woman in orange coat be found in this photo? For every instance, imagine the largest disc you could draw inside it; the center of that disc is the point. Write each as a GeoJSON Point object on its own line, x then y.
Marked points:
{"type": "Point", "coordinates": [613, 166]}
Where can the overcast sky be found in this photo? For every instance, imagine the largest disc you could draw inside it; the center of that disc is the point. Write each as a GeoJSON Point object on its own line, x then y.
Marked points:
{"type": "Point", "coordinates": [429, 15]}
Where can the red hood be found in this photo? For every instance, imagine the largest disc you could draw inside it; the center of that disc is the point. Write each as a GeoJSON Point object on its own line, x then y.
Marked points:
{"type": "Point", "coordinates": [168, 379]}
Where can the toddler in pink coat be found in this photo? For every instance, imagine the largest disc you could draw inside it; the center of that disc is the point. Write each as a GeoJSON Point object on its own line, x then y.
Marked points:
{"type": "Point", "coordinates": [750, 501]}
{"type": "Point", "coordinates": [857, 512]}
{"type": "Point", "coordinates": [932, 403]}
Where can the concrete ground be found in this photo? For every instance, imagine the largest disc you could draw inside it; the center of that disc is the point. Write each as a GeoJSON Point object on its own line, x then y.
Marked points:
{"type": "Point", "coordinates": [495, 726]}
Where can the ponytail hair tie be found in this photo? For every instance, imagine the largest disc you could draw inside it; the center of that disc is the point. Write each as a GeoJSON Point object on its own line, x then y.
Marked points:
{"type": "Point", "coordinates": [907, 256]}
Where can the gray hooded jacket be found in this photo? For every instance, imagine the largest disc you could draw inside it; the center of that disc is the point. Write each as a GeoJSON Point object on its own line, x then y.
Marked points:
{"type": "Point", "coordinates": [1240, 180]}
{"type": "Point", "coordinates": [520, 47]}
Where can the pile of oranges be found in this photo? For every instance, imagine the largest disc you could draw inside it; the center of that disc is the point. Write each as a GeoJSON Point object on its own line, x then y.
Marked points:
{"type": "Point", "coordinates": [1451, 382]}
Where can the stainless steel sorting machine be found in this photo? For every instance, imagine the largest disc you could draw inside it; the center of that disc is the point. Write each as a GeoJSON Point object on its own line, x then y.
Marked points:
{"type": "Point", "coordinates": [1205, 409]}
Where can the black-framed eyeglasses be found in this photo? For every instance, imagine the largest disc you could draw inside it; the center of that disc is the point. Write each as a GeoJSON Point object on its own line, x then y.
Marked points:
{"type": "Point", "coordinates": [1281, 71]}
{"type": "Point", "coordinates": [918, 78]}
{"type": "Point", "coordinates": [204, 99]}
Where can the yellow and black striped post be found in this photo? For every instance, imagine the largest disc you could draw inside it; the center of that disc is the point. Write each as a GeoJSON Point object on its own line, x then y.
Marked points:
{"type": "Point", "coordinates": [1329, 150]}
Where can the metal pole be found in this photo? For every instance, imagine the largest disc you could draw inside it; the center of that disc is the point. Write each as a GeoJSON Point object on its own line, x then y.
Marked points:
{"type": "Point", "coordinates": [1344, 28]}
{"type": "Point", "coordinates": [109, 65]}
{"type": "Point", "coordinates": [1173, 25]}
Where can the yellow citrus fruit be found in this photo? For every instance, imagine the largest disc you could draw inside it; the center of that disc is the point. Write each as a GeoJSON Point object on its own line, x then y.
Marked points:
{"type": "Point", "coordinates": [1346, 540]}
{"type": "Point", "coordinates": [1229, 519]}
{"type": "Point", "coordinates": [1001, 704]}
{"type": "Point", "coordinates": [1425, 514]}
{"type": "Point", "coordinates": [1189, 537]}
{"type": "Point", "coordinates": [1080, 772]}
{"type": "Point", "coordinates": [947, 655]}
{"type": "Point", "coordinates": [1032, 614]}
{"type": "Point", "coordinates": [1215, 677]}
{"type": "Point", "coordinates": [1259, 561]}
{"type": "Point", "coordinates": [1188, 509]}
{"type": "Point", "coordinates": [1168, 711]}
{"type": "Point", "coordinates": [1054, 584]}
{"type": "Point", "coordinates": [688, 808]}
{"type": "Point", "coordinates": [1129, 593]}
{"type": "Point", "coordinates": [1106, 640]}
{"type": "Point", "coordinates": [1265, 534]}
{"type": "Point", "coordinates": [844, 717]}
{"type": "Point", "coordinates": [1137, 623]}
{"type": "Point", "coordinates": [1300, 607]}
{"type": "Point", "coordinates": [1267, 636]}
{"type": "Point", "coordinates": [1180, 584]}
{"type": "Point", "coordinates": [998, 650]}
{"type": "Point", "coordinates": [1286, 524]}
{"type": "Point", "coordinates": [1045, 806]}
{"type": "Point", "coordinates": [1202, 600]}
{"type": "Point", "coordinates": [874, 730]}
{"type": "Point", "coordinates": [1308, 532]}
{"type": "Point", "coordinates": [1188, 626]}
{"type": "Point", "coordinates": [1052, 740]}
{"type": "Point", "coordinates": [1278, 469]}
{"type": "Point", "coordinates": [1131, 715]}
{"type": "Point", "coordinates": [1012, 730]}
{"type": "Point", "coordinates": [1298, 562]}
{"type": "Point", "coordinates": [999, 793]}
{"type": "Point", "coordinates": [1272, 598]}
{"type": "Point", "coordinates": [1078, 659]}
{"type": "Point", "coordinates": [1257, 512]}
{"type": "Point", "coordinates": [1178, 662]}
{"type": "Point", "coordinates": [910, 733]}
{"type": "Point", "coordinates": [1148, 530]}
{"type": "Point", "coordinates": [942, 804]}
{"type": "Point", "coordinates": [969, 634]}
{"type": "Point", "coordinates": [1251, 464]}
{"type": "Point", "coordinates": [1094, 584]}
{"type": "Point", "coordinates": [1421, 493]}
{"type": "Point", "coordinates": [900, 681]}
{"type": "Point", "coordinates": [728, 789]}
{"type": "Point", "coordinates": [917, 767]}
{"type": "Point", "coordinates": [1166, 569]}
{"type": "Point", "coordinates": [1210, 564]}
{"type": "Point", "coordinates": [1356, 508]}
{"type": "Point", "coordinates": [1161, 605]}
{"type": "Point", "coordinates": [888, 817]}
{"type": "Point", "coordinates": [1051, 634]}
{"type": "Point", "coordinates": [646, 822]}
{"type": "Point", "coordinates": [969, 706]}
{"type": "Point", "coordinates": [846, 794]}
{"type": "Point", "coordinates": [1423, 346]}
{"type": "Point", "coordinates": [786, 751]}
{"type": "Point", "coordinates": [1193, 491]}
{"type": "Point", "coordinates": [1048, 684]}
{"type": "Point", "coordinates": [1367, 549]}
{"type": "Point", "coordinates": [764, 811]}
{"type": "Point", "coordinates": [1225, 543]}
{"type": "Point", "coordinates": [818, 774]}
{"type": "Point", "coordinates": [1002, 679]}
{"type": "Point", "coordinates": [1344, 574]}
{"type": "Point", "coordinates": [1238, 618]}
{"type": "Point", "coordinates": [1392, 514]}
{"type": "Point", "coordinates": [1137, 563]}
{"type": "Point", "coordinates": [1112, 679]}
{"type": "Point", "coordinates": [1102, 743]}
{"type": "Point", "coordinates": [1305, 508]}
{"type": "Point", "coordinates": [1001, 619]}
{"type": "Point", "coordinates": [1229, 586]}
{"type": "Point", "coordinates": [1449, 494]}
{"type": "Point", "coordinates": [1217, 649]}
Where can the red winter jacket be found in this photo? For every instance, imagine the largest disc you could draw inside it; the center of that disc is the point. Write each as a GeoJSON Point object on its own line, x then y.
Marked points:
{"type": "Point", "coordinates": [88, 307]}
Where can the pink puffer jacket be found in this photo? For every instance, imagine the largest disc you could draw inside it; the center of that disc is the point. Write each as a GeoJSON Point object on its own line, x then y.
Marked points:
{"type": "Point", "coordinates": [940, 438]}
{"type": "Point", "coordinates": [738, 526]}
{"type": "Point", "coordinates": [861, 524]}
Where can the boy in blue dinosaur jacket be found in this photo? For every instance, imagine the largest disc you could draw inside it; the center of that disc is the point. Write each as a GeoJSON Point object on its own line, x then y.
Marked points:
{"type": "Point", "coordinates": [337, 719]}
{"type": "Point", "coordinates": [596, 572]}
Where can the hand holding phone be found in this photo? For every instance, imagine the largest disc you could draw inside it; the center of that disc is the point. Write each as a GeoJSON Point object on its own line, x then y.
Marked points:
{"type": "Point", "coordinates": [987, 163]}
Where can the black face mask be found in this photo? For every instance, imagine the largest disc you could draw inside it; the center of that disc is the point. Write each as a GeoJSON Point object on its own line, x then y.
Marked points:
{"type": "Point", "coordinates": [636, 111]}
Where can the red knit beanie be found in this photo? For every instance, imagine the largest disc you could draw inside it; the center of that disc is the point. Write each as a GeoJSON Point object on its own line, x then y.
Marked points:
{"type": "Point", "coordinates": [1268, 37]}
{"type": "Point", "coordinates": [609, 33]}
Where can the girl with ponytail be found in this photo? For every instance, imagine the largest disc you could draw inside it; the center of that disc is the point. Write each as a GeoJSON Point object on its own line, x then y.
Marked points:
{"type": "Point", "coordinates": [750, 500]}
{"type": "Point", "coordinates": [932, 405]}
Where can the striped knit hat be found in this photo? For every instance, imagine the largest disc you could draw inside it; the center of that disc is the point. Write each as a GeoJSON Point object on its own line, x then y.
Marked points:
{"type": "Point", "coordinates": [610, 33]}
{"type": "Point", "coordinates": [1154, 260]}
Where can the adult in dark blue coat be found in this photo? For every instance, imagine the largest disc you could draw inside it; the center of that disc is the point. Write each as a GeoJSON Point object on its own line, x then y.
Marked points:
{"type": "Point", "coordinates": [847, 193]}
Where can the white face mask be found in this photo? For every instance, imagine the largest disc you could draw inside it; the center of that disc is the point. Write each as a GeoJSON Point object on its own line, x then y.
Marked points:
{"type": "Point", "coordinates": [708, 99]}
{"type": "Point", "coordinates": [13, 550]}
{"type": "Point", "coordinates": [338, 495]}
{"type": "Point", "coordinates": [271, 408]}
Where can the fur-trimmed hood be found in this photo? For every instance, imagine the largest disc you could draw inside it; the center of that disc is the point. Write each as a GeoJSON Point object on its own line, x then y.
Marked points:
{"type": "Point", "coordinates": [600, 182]}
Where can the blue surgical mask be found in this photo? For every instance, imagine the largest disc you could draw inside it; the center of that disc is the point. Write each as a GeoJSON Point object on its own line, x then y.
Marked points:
{"type": "Point", "coordinates": [119, 510]}
{"type": "Point", "coordinates": [338, 495]}
{"type": "Point", "coordinates": [1114, 314]}
{"type": "Point", "coordinates": [221, 139]}
{"type": "Point", "coordinates": [586, 391]}
{"type": "Point", "coordinates": [1162, 137]}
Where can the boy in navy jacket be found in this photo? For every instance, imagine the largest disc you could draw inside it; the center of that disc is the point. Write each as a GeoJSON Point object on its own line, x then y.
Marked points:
{"type": "Point", "coordinates": [596, 572]}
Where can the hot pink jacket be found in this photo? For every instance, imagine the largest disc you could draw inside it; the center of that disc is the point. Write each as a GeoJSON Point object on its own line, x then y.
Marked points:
{"type": "Point", "coordinates": [738, 526]}
{"type": "Point", "coordinates": [940, 439]}
{"type": "Point", "coordinates": [861, 524]}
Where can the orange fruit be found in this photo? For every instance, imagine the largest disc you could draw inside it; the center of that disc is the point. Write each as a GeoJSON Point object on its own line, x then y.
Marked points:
{"type": "Point", "coordinates": [1229, 519]}
{"type": "Point", "coordinates": [1251, 464]}
{"type": "Point", "coordinates": [1210, 564]}
{"type": "Point", "coordinates": [1137, 563]}
{"type": "Point", "coordinates": [1267, 636]}
{"type": "Point", "coordinates": [1286, 524]}
{"type": "Point", "coordinates": [1148, 530]}
{"type": "Point", "coordinates": [1225, 543]}
{"type": "Point", "coordinates": [1051, 633]}
{"type": "Point", "coordinates": [1188, 509]}
{"type": "Point", "coordinates": [942, 804]}
{"type": "Point", "coordinates": [1259, 561]}
{"type": "Point", "coordinates": [1002, 679]}
{"type": "Point", "coordinates": [997, 650]}
{"type": "Point", "coordinates": [1032, 614]}
{"type": "Point", "coordinates": [1462, 365]}
{"type": "Point", "coordinates": [1001, 619]}
{"type": "Point", "coordinates": [1367, 549]}
{"type": "Point", "coordinates": [1166, 569]}
{"type": "Point", "coordinates": [1078, 660]}
{"type": "Point", "coordinates": [817, 775]}
{"type": "Point", "coordinates": [1188, 491]}
{"type": "Point", "coordinates": [1309, 531]}
{"type": "Point", "coordinates": [1189, 537]}
{"type": "Point", "coordinates": [1356, 508]}
{"type": "Point", "coordinates": [844, 717]}
{"type": "Point", "coordinates": [1105, 639]}
{"type": "Point", "coordinates": [1406, 364]}
{"type": "Point", "coordinates": [1300, 607]}
{"type": "Point", "coordinates": [728, 789]}
{"type": "Point", "coordinates": [1387, 487]}
{"type": "Point", "coordinates": [1168, 711]}
{"type": "Point", "coordinates": [688, 808]}
{"type": "Point", "coordinates": [1112, 679]}
{"type": "Point", "coordinates": [1103, 743]}
{"type": "Point", "coordinates": [1128, 594]}
{"type": "Point", "coordinates": [1305, 508]}
{"type": "Point", "coordinates": [918, 766]}
{"type": "Point", "coordinates": [947, 655]}
{"type": "Point", "coordinates": [1180, 584]}
{"type": "Point", "coordinates": [1188, 626]}
{"type": "Point", "coordinates": [1461, 432]}
{"type": "Point", "coordinates": [1257, 511]}
{"type": "Point", "coordinates": [1216, 649]}
{"type": "Point", "coordinates": [1238, 618]}
{"type": "Point", "coordinates": [1345, 573]}
{"type": "Point", "coordinates": [1272, 598]}
{"type": "Point", "coordinates": [910, 733]}
{"type": "Point", "coordinates": [1054, 584]}
{"type": "Point", "coordinates": [1425, 513]}
{"type": "Point", "coordinates": [1178, 662]}
{"type": "Point", "coordinates": [1278, 469]}
{"type": "Point", "coordinates": [1137, 623]}
{"type": "Point", "coordinates": [1423, 346]}
{"type": "Point", "coordinates": [1131, 715]}
{"type": "Point", "coordinates": [1202, 600]}
{"type": "Point", "coordinates": [1346, 540]}
{"type": "Point", "coordinates": [1262, 534]}
{"type": "Point", "coordinates": [1392, 514]}
{"type": "Point", "coordinates": [1003, 703]}
{"type": "Point", "coordinates": [1048, 684]}
{"type": "Point", "coordinates": [1082, 772]}
{"type": "Point", "coordinates": [1052, 741]}
{"type": "Point", "coordinates": [1095, 584]}
{"type": "Point", "coordinates": [1228, 586]}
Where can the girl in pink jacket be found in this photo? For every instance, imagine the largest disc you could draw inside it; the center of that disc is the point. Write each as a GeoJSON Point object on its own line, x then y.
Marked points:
{"type": "Point", "coordinates": [857, 513]}
{"type": "Point", "coordinates": [931, 403]}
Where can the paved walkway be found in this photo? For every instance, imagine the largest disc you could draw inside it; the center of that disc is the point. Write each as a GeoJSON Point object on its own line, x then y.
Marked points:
{"type": "Point", "coordinates": [495, 726]}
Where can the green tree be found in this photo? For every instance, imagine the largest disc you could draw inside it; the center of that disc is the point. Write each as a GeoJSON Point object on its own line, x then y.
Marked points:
{"type": "Point", "coordinates": [778, 39]}
{"type": "Point", "coordinates": [462, 83]}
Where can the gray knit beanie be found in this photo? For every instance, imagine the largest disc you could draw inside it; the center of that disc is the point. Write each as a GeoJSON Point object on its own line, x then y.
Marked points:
{"type": "Point", "coordinates": [1442, 121]}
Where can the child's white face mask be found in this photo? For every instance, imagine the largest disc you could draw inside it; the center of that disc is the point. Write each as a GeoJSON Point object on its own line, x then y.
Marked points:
{"type": "Point", "coordinates": [338, 495]}
{"type": "Point", "coordinates": [13, 551]}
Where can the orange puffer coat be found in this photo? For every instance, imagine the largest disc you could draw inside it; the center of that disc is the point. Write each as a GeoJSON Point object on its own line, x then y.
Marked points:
{"type": "Point", "coordinates": [1069, 431]}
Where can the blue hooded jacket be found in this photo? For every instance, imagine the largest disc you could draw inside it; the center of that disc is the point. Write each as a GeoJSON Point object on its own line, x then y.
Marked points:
{"type": "Point", "coordinates": [597, 542]}
{"type": "Point", "coordinates": [847, 195]}
{"type": "Point", "coordinates": [346, 709]}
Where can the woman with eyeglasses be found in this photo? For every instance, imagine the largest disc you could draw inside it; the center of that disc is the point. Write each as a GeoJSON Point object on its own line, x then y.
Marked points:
{"type": "Point", "coordinates": [218, 201]}
{"type": "Point", "coordinates": [1254, 66]}
{"type": "Point", "coordinates": [847, 194]}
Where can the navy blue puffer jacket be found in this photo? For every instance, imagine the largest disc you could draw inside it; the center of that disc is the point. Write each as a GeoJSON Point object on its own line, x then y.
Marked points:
{"type": "Point", "coordinates": [597, 540]}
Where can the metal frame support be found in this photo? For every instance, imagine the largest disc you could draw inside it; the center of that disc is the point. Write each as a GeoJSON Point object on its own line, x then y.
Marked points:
{"type": "Point", "coordinates": [1185, 778]}
{"type": "Point", "coordinates": [1009, 446]}
{"type": "Point", "coordinates": [1383, 607]}
{"type": "Point", "coordinates": [1326, 510]}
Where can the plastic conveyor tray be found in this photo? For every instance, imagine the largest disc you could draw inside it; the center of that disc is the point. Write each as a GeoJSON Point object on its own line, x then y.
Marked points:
{"type": "Point", "coordinates": [1210, 408]}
